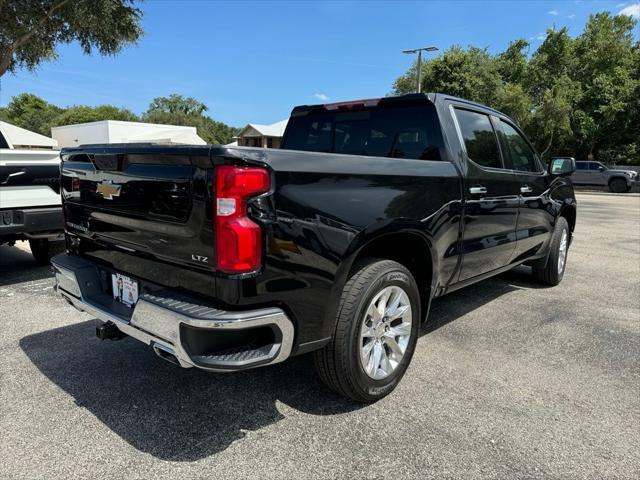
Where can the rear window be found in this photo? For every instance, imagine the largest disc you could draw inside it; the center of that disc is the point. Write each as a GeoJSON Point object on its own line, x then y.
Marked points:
{"type": "Point", "coordinates": [479, 138]}
{"type": "Point", "coordinates": [398, 132]}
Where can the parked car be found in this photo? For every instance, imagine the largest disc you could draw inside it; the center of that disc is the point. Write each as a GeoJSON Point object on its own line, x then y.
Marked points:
{"type": "Point", "coordinates": [227, 258]}
{"type": "Point", "coordinates": [30, 206]}
{"type": "Point", "coordinates": [597, 173]}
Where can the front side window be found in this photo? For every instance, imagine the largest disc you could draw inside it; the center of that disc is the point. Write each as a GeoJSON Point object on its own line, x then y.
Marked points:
{"type": "Point", "coordinates": [398, 132]}
{"type": "Point", "coordinates": [596, 166]}
{"type": "Point", "coordinates": [479, 138]}
{"type": "Point", "coordinates": [518, 151]}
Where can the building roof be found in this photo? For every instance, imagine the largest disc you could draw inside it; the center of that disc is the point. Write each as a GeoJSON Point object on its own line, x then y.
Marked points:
{"type": "Point", "coordinates": [18, 137]}
{"type": "Point", "coordinates": [185, 135]}
{"type": "Point", "coordinates": [273, 130]}
{"type": "Point", "coordinates": [117, 131]}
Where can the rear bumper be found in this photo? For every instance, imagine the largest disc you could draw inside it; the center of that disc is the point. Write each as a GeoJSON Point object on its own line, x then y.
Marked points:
{"type": "Point", "coordinates": [180, 330]}
{"type": "Point", "coordinates": [30, 220]}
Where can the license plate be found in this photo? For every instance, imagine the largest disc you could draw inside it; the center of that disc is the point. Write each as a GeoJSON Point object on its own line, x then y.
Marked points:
{"type": "Point", "coordinates": [125, 289]}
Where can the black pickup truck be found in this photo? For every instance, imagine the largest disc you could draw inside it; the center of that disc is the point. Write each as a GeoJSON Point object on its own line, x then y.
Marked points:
{"type": "Point", "coordinates": [227, 258]}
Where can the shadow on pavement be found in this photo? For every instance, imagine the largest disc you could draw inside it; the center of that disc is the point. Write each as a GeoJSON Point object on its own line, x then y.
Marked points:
{"type": "Point", "coordinates": [17, 266]}
{"type": "Point", "coordinates": [457, 304]}
{"type": "Point", "coordinates": [186, 415]}
{"type": "Point", "coordinates": [168, 412]}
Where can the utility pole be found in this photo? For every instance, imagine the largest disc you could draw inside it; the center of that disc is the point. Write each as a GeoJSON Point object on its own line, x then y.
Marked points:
{"type": "Point", "coordinates": [419, 52]}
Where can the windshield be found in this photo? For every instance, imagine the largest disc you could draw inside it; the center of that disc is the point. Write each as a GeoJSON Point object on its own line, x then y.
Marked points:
{"type": "Point", "coordinates": [400, 132]}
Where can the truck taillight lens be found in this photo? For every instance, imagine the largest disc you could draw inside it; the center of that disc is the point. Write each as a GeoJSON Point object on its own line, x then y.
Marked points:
{"type": "Point", "coordinates": [238, 238]}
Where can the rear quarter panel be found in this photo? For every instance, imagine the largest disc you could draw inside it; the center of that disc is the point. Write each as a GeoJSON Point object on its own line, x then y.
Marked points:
{"type": "Point", "coordinates": [325, 208]}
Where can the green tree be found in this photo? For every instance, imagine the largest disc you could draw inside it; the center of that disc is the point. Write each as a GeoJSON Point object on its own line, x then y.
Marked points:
{"type": "Point", "coordinates": [607, 65]}
{"type": "Point", "coordinates": [551, 124]}
{"type": "Point", "coordinates": [553, 59]}
{"type": "Point", "coordinates": [515, 102]}
{"type": "Point", "coordinates": [30, 30]}
{"type": "Point", "coordinates": [177, 104]}
{"type": "Point", "coordinates": [512, 63]}
{"type": "Point", "coordinates": [85, 114]}
{"type": "Point", "coordinates": [178, 110]}
{"type": "Point", "coordinates": [31, 112]}
{"type": "Point", "coordinates": [470, 73]}
{"type": "Point", "coordinates": [573, 96]}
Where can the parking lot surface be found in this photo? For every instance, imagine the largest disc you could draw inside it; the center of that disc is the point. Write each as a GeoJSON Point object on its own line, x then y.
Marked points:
{"type": "Point", "coordinates": [509, 380]}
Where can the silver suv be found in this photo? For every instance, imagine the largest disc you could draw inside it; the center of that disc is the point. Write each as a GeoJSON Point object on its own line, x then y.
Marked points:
{"type": "Point", "coordinates": [596, 173]}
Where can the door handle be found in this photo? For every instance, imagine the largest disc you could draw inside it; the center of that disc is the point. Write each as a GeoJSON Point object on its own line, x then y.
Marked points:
{"type": "Point", "coordinates": [526, 189]}
{"type": "Point", "coordinates": [478, 190]}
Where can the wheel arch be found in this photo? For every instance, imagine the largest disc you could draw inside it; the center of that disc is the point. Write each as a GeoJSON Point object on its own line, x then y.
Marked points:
{"type": "Point", "coordinates": [616, 177]}
{"type": "Point", "coordinates": [569, 213]}
{"type": "Point", "coordinates": [620, 178]}
{"type": "Point", "coordinates": [411, 248]}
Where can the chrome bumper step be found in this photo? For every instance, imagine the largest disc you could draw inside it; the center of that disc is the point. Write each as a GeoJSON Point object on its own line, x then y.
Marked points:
{"type": "Point", "coordinates": [171, 323]}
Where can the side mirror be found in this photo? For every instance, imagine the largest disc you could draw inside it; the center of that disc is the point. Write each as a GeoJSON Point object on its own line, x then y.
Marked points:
{"type": "Point", "coordinates": [601, 169]}
{"type": "Point", "coordinates": [562, 166]}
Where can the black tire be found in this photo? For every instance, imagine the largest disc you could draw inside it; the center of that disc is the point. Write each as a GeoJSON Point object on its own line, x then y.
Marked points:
{"type": "Point", "coordinates": [549, 273]}
{"type": "Point", "coordinates": [618, 185]}
{"type": "Point", "coordinates": [338, 363]}
{"type": "Point", "coordinates": [42, 250]}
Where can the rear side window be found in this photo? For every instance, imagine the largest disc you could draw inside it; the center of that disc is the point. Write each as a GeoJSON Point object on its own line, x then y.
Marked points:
{"type": "Point", "coordinates": [479, 138]}
{"type": "Point", "coordinates": [399, 132]}
{"type": "Point", "coordinates": [520, 154]}
{"type": "Point", "coordinates": [581, 166]}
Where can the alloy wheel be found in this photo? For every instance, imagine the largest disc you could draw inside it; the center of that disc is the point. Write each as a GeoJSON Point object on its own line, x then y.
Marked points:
{"type": "Point", "coordinates": [385, 332]}
{"type": "Point", "coordinates": [562, 254]}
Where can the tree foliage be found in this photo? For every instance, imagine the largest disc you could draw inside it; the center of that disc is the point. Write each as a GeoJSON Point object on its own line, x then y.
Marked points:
{"type": "Point", "coordinates": [33, 113]}
{"type": "Point", "coordinates": [179, 110]}
{"type": "Point", "coordinates": [572, 96]}
{"type": "Point", "coordinates": [85, 114]}
{"type": "Point", "coordinates": [177, 104]}
{"type": "Point", "coordinates": [30, 30]}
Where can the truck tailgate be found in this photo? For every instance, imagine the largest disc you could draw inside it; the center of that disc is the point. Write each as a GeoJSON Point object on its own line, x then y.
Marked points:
{"type": "Point", "coordinates": [138, 207]}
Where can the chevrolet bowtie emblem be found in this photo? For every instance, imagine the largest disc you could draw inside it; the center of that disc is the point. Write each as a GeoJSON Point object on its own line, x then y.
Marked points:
{"type": "Point", "coordinates": [108, 190]}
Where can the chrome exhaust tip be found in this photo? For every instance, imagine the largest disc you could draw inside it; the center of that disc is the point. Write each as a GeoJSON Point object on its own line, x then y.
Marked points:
{"type": "Point", "coordinates": [165, 353]}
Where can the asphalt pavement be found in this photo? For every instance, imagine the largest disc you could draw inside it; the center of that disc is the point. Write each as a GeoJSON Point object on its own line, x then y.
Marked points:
{"type": "Point", "coordinates": [509, 380]}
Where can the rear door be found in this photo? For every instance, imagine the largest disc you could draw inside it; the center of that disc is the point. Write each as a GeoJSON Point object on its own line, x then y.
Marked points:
{"type": "Point", "coordinates": [535, 222]}
{"type": "Point", "coordinates": [595, 173]}
{"type": "Point", "coordinates": [491, 196]}
{"type": "Point", "coordinates": [581, 175]}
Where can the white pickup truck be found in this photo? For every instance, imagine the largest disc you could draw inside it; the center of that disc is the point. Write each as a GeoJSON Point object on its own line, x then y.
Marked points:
{"type": "Point", "coordinates": [30, 207]}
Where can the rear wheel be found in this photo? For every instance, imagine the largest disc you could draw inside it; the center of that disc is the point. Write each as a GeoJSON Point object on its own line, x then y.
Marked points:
{"type": "Point", "coordinates": [618, 185]}
{"type": "Point", "coordinates": [42, 250]}
{"type": "Point", "coordinates": [376, 332]}
{"type": "Point", "coordinates": [552, 272]}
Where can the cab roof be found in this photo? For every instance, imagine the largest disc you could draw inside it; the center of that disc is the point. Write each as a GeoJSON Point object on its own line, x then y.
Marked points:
{"type": "Point", "coordinates": [398, 100]}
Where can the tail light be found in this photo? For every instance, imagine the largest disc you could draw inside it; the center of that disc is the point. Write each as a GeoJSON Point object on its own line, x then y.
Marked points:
{"type": "Point", "coordinates": [238, 238]}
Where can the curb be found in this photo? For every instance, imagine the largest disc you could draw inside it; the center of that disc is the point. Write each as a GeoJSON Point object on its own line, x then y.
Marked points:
{"type": "Point", "coordinates": [609, 194]}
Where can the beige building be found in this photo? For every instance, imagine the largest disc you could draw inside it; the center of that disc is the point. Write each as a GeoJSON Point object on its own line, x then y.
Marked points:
{"type": "Point", "coordinates": [265, 136]}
